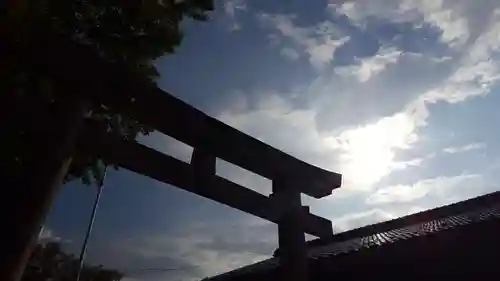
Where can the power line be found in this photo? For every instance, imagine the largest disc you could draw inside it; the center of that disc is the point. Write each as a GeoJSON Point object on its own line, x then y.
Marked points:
{"type": "Point", "coordinates": [100, 186]}
{"type": "Point", "coordinates": [153, 270]}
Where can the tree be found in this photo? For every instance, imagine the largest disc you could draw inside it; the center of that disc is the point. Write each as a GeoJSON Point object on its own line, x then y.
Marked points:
{"type": "Point", "coordinates": [129, 32]}
{"type": "Point", "coordinates": [49, 262]}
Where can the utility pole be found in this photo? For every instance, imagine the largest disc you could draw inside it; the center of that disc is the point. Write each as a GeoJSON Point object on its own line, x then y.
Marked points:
{"type": "Point", "coordinates": [83, 250]}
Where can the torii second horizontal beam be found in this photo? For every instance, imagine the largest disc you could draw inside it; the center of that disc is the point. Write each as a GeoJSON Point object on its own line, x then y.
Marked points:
{"type": "Point", "coordinates": [149, 162]}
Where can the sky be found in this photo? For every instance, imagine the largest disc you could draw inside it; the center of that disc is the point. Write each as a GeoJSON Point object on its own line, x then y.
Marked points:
{"type": "Point", "coordinates": [398, 96]}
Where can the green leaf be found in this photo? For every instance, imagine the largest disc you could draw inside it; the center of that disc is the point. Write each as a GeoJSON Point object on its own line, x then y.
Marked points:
{"type": "Point", "coordinates": [86, 179]}
{"type": "Point", "coordinates": [132, 33]}
{"type": "Point", "coordinates": [99, 171]}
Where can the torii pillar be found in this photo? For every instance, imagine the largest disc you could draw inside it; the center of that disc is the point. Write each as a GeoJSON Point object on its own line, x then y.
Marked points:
{"type": "Point", "coordinates": [292, 241]}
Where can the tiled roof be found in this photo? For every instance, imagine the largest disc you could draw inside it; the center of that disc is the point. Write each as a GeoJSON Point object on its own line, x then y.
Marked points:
{"type": "Point", "coordinates": [395, 235]}
{"type": "Point", "coordinates": [453, 216]}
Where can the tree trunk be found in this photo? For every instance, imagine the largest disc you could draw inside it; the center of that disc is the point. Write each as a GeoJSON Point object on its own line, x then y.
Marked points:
{"type": "Point", "coordinates": [27, 196]}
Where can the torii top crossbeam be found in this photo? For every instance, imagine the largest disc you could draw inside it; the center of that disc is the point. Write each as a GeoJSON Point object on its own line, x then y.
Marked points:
{"type": "Point", "coordinates": [164, 112]}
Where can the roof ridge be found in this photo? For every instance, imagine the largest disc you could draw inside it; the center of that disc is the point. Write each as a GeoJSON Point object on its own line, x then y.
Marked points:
{"type": "Point", "coordinates": [413, 219]}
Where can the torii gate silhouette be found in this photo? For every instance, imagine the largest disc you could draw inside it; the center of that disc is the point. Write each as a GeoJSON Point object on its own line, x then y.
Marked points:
{"type": "Point", "coordinates": [90, 79]}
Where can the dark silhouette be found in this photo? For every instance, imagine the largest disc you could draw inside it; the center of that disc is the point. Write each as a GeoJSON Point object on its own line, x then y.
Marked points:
{"type": "Point", "coordinates": [131, 33]}
{"type": "Point", "coordinates": [50, 262]}
{"type": "Point", "coordinates": [458, 241]}
{"type": "Point", "coordinates": [42, 115]}
{"type": "Point", "coordinates": [91, 105]}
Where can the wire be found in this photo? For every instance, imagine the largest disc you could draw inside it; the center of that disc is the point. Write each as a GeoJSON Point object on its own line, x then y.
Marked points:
{"type": "Point", "coordinates": [153, 270]}
{"type": "Point", "coordinates": [100, 185]}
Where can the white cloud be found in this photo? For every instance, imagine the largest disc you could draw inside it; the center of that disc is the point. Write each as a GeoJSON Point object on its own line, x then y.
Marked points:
{"type": "Point", "coordinates": [231, 8]}
{"type": "Point", "coordinates": [243, 177]}
{"type": "Point", "coordinates": [358, 11]}
{"type": "Point", "coordinates": [204, 249]}
{"type": "Point", "coordinates": [447, 15]}
{"type": "Point", "coordinates": [373, 216]}
{"type": "Point", "coordinates": [450, 19]}
{"type": "Point", "coordinates": [207, 261]}
{"type": "Point", "coordinates": [349, 9]}
{"type": "Point", "coordinates": [356, 220]}
{"type": "Point", "coordinates": [318, 42]}
{"type": "Point", "coordinates": [364, 155]}
{"type": "Point", "coordinates": [47, 235]}
{"type": "Point", "coordinates": [478, 69]}
{"type": "Point", "coordinates": [489, 41]}
{"type": "Point", "coordinates": [342, 100]}
{"type": "Point", "coordinates": [468, 147]}
{"type": "Point", "coordinates": [371, 148]}
{"type": "Point", "coordinates": [131, 279]}
{"type": "Point", "coordinates": [371, 66]}
{"type": "Point", "coordinates": [400, 200]}
{"type": "Point", "coordinates": [289, 54]}
{"type": "Point", "coordinates": [401, 165]}
{"type": "Point", "coordinates": [321, 51]}
{"type": "Point", "coordinates": [466, 82]}
{"type": "Point", "coordinates": [285, 26]}
{"type": "Point", "coordinates": [440, 186]}
{"type": "Point", "coordinates": [367, 153]}
{"type": "Point", "coordinates": [167, 145]}
{"type": "Point", "coordinates": [297, 134]}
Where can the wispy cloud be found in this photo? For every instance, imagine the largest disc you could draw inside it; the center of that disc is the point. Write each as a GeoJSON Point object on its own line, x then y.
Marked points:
{"type": "Point", "coordinates": [202, 250]}
{"type": "Point", "coordinates": [448, 16]}
{"type": "Point", "coordinates": [47, 235]}
{"type": "Point", "coordinates": [289, 53]}
{"type": "Point", "coordinates": [475, 75]}
{"type": "Point", "coordinates": [370, 66]}
{"type": "Point", "coordinates": [414, 162]}
{"type": "Point", "coordinates": [468, 147]}
{"type": "Point", "coordinates": [168, 145]}
{"type": "Point", "coordinates": [440, 186]}
{"type": "Point", "coordinates": [477, 71]}
{"type": "Point", "coordinates": [243, 177]}
{"type": "Point", "coordinates": [450, 20]}
{"type": "Point", "coordinates": [297, 133]}
{"type": "Point", "coordinates": [318, 42]}
{"type": "Point", "coordinates": [231, 8]}
{"type": "Point", "coordinates": [395, 201]}
{"type": "Point", "coordinates": [356, 220]}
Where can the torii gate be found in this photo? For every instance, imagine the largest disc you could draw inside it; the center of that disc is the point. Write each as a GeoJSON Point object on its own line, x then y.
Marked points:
{"type": "Point", "coordinates": [107, 83]}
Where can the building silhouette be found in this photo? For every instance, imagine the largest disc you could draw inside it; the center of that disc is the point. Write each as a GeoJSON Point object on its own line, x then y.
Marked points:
{"type": "Point", "coordinates": [459, 241]}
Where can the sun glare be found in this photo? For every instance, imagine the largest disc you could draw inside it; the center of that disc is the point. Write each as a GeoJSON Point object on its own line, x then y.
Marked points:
{"type": "Point", "coordinates": [368, 152]}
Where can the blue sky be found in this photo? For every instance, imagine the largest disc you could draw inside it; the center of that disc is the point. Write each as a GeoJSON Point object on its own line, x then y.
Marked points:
{"type": "Point", "coordinates": [398, 96]}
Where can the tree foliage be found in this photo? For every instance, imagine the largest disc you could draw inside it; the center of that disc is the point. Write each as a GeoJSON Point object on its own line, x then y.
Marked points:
{"type": "Point", "coordinates": [50, 262]}
{"type": "Point", "coordinates": [132, 33]}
